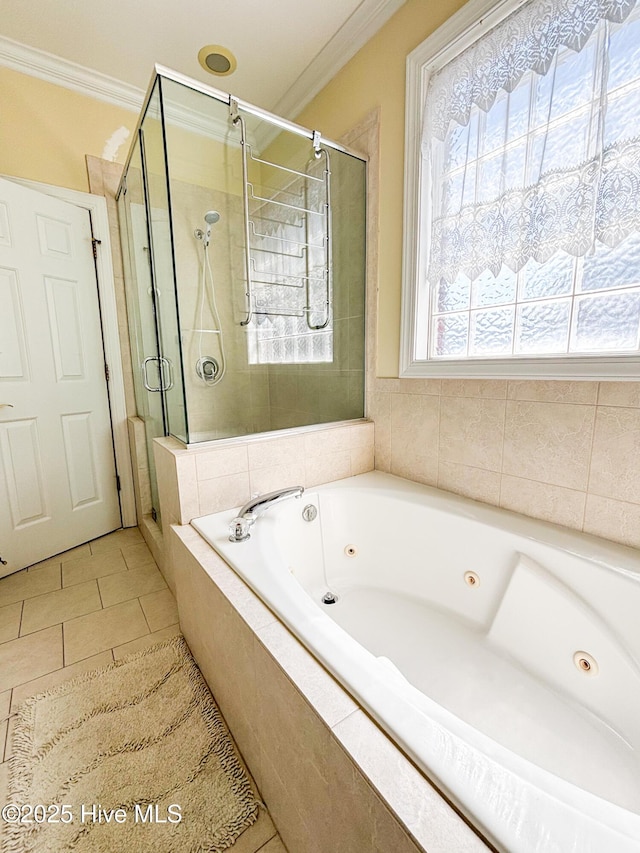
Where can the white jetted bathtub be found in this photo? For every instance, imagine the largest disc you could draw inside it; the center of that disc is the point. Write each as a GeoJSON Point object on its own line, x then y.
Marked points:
{"type": "Point", "coordinates": [500, 653]}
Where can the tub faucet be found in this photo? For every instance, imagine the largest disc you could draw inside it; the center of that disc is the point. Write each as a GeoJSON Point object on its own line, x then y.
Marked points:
{"type": "Point", "coordinates": [239, 527]}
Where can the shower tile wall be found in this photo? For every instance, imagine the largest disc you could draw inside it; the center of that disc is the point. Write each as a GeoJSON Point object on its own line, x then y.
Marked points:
{"type": "Point", "coordinates": [238, 404]}
{"type": "Point", "coordinates": [566, 452]}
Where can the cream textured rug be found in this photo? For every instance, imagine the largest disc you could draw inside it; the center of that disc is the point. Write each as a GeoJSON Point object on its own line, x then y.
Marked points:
{"type": "Point", "coordinates": [142, 736]}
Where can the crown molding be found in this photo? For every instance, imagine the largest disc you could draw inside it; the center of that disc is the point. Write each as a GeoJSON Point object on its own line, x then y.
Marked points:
{"type": "Point", "coordinates": [362, 25]}
{"type": "Point", "coordinates": [70, 75]}
{"type": "Point", "coordinates": [354, 33]}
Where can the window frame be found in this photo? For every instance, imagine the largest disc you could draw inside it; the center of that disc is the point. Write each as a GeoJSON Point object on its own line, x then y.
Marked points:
{"type": "Point", "coordinates": [455, 35]}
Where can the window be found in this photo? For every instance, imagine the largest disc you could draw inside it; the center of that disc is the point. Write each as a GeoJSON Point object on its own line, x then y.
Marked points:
{"type": "Point", "coordinates": [526, 209]}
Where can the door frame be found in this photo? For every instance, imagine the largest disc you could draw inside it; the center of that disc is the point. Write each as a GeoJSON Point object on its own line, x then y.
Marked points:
{"type": "Point", "coordinates": [97, 207]}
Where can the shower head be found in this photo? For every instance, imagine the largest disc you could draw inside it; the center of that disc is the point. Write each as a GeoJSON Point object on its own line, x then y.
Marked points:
{"type": "Point", "coordinates": [211, 217]}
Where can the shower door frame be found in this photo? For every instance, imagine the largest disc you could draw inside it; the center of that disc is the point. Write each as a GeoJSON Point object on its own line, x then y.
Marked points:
{"type": "Point", "coordinates": [315, 138]}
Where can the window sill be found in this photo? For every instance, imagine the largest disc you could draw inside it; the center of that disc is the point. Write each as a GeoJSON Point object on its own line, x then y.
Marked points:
{"type": "Point", "coordinates": [579, 368]}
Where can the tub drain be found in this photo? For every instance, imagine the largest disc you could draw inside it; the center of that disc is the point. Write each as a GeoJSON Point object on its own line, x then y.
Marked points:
{"type": "Point", "coordinates": [329, 598]}
{"type": "Point", "coordinates": [471, 579]}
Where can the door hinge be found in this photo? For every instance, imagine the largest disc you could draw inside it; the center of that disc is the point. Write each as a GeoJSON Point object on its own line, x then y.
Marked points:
{"type": "Point", "coordinates": [118, 486]}
{"type": "Point", "coordinates": [95, 243]}
{"type": "Point", "coordinates": [107, 372]}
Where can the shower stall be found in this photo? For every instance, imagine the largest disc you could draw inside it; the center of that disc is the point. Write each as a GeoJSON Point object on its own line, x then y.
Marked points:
{"type": "Point", "coordinates": [244, 247]}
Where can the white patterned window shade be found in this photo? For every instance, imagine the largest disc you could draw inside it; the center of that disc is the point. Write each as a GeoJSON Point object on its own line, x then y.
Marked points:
{"type": "Point", "coordinates": [289, 274]}
{"type": "Point", "coordinates": [530, 209]}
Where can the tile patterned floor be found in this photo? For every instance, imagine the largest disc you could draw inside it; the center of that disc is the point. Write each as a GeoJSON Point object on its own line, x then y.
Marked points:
{"type": "Point", "coordinates": [79, 611]}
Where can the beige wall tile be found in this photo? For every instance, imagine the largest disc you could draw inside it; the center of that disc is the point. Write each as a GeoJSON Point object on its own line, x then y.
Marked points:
{"type": "Point", "coordinates": [187, 487]}
{"type": "Point", "coordinates": [471, 431]}
{"type": "Point", "coordinates": [362, 460]}
{"type": "Point", "coordinates": [59, 605]}
{"type": "Point", "coordinates": [613, 519]}
{"type": "Point", "coordinates": [59, 676]}
{"type": "Point", "coordinates": [476, 483]}
{"type": "Point", "coordinates": [619, 394]}
{"type": "Point", "coordinates": [380, 412]}
{"type": "Point", "coordinates": [88, 635]}
{"type": "Point", "coordinates": [10, 621]}
{"type": "Point", "coordinates": [159, 609]}
{"type": "Point", "coordinates": [549, 442]}
{"type": "Point", "coordinates": [30, 657]}
{"type": "Point", "coordinates": [223, 493]}
{"type": "Point", "coordinates": [146, 641]}
{"type": "Point", "coordinates": [542, 500]}
{"type": "Point", "coordinates": [414, 437]}
{"type": "Point", "coordinates": [490, 388]}
{"type": "Point", "coordinates": [268, 453]}
{"type": "Point", "coordinates": [88, 568]}
{"type": "Point", "coordinates": [321, 690]}
{"type": "Point", "coordinates": [327, 467]}
{"type": "Point", "coordinates": [167, 479]}
{"type": "Point", "coordinates": [222, 462]}
{"type": "Point", "coordinates": [328, 441]}
{"type": "Point", "coordinates": [277, 477]}
{"type": "Point", "coordinates": [131, 584]}
{"type": "Point", "coordinates": [615, 461]}
{"type": "Point", "coordinates": [28, 584]}
{"type": "Point", "coordinates": [419, 386]}
{"type": "Point", "coordinates": [553, 391]}
{"type": "Point", "coordinates": [404, 787]}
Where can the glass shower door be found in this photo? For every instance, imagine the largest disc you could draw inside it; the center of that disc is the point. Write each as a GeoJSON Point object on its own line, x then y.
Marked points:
{"type": "Point", "coordinates": [151, 292]}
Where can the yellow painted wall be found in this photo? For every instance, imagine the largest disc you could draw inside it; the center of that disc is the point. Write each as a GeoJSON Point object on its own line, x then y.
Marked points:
{"type": "Point", "coordinates": [46, 130]}
{"type": "Point", "coordinates": [376, 77]}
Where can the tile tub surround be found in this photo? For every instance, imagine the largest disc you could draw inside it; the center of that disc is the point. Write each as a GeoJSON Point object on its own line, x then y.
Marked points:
{"type": "Point", "coordinates": [196, 481]}
{"type": "Point", "coordinates": [332, 780]}
{"type": "Point", "coordinates": [565, 452]}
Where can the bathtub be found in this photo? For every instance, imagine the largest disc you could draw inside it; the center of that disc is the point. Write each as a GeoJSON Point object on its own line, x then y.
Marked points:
{"type": "Point", "coordinates": [501, 654]}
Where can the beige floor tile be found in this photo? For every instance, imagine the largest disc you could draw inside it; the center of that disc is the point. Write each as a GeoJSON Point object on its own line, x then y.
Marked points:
{"type": "Point", "coordinates": [4, 787]}
{"type": "Point", "coordinates": [30, 657]}
{"type": "Point", "coordinates": [274, 846]}
{"type": "Point", "coordinates": [8, 743]}
{"type": "Point", "coordinates": [117, 539]}
{"type": "Point", "coordinates": [28, 584]}
{"type": "Point", "coordinates": [137, 555]}
{"type": "Point", "coordinates": [5, 704]}
{"type": "Point", "coordinates": [72, 553]}
{"type": "Point", "coordinates": [256, 836]}
{"type": "Point", "coordinates": [131, 584]}
{"type": "Point", "coordinates": [59, 606]}
{"type": "Point", "coordinates": [53, 679]}
{"type": "Point", "coordinates": [88, 568]}
{"type": "Point", "coordinates": [146, 641]}
{"type": "Point", "coordinates": [96, 632]}
{"type": "Point", "coordinates": [10, 621]}
{"type": "Point", "coordinates": [160, 609]}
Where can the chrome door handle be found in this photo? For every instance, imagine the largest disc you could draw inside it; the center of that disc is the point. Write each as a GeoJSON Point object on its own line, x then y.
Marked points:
{"type": "Point", "coordinates": [165, 373]}
{"type": "Point", "coordinates": [145, 365]}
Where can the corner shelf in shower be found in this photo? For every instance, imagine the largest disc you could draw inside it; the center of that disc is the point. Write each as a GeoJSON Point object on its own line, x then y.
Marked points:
{"type": "Point", "coordinates": [284, 268]}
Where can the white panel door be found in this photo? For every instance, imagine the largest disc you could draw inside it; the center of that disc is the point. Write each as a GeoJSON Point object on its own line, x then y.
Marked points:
{"type": "Point", "coordinates": [57, 471]}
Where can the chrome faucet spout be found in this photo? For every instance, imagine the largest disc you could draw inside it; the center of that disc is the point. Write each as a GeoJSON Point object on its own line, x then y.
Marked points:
{"type": "Point", "coordinates": [253, 509]}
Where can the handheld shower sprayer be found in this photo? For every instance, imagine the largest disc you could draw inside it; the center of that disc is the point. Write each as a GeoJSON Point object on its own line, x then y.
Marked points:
{"type": "Point", "coordinates": [210, 217]}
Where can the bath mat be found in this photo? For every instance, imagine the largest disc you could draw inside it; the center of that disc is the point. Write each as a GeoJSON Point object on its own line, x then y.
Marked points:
{"type": "Point", "coordinates": [134, 757]}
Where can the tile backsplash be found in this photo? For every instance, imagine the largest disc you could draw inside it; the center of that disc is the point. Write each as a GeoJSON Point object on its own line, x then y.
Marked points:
{"type": "Point", "coordinates": [566, 452]}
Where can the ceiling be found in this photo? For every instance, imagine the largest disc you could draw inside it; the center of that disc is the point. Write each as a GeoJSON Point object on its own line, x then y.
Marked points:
{"type": "Point", "coordinates": [286, 50]}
